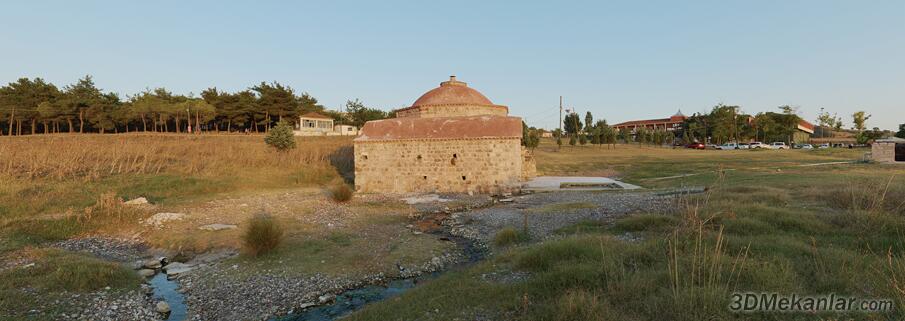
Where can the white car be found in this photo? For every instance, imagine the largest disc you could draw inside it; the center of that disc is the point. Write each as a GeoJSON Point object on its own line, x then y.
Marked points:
{"type": "Point", "coordinates": [728, 146]}
{"type": "Point", "coordinates": [744, 146]}
{"type": "Point", "coordinates": [806, 146]}
{"type": "Point", "coordinates": [757, 145]}
{"type": "Point", "coordinates": [824, 145]}
{"type": "Point", "coordinates": [779, 145]}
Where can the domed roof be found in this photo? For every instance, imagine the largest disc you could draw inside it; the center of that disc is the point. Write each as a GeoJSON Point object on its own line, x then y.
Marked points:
{"type": "Point", "coordinates": [452, 92]}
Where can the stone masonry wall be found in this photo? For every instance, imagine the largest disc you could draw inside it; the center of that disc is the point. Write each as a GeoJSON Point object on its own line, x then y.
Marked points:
{"type": "Point", "coordinates": [452, 111]}
{"type": "Point", "coordinates": [455, 165]}
{"type": "Point", "coordinates": [883, 152]}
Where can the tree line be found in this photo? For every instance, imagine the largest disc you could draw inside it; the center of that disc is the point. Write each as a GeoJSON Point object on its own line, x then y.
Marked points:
{"type": "Point", "coordinates": [724, 123]}
{"type": "Point", "coordinates": [35, 106]}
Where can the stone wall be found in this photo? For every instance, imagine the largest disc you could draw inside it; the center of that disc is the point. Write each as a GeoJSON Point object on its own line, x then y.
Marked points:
{"type": "Point", "coordinates": [452, 111]}
{"type": "Point", "coordinates": [529, 166]}
{"type": "Point", "coordinates": [488, 165]}
{"type": "Point", "coordinates": [883, 152]}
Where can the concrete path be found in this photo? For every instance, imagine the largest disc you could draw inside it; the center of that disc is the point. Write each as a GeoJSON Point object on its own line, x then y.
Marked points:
{"type": "Point", "coordinates": [575, 183]}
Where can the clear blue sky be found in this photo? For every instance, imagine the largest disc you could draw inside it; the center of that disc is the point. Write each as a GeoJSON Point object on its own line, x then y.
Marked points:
{"type": "Point", "coordinates": [621, 61]}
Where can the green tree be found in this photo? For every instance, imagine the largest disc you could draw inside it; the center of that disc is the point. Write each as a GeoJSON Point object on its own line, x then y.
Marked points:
{"type": "Point", "coordinates": [530, 136]}
{"type": "Point", "coordinates": [859, 119]}
{"type": "Point", "coordinates": [588, 121]}
{"type": "Point", "coordinates": [901, 132]}
{"type": "Point", "coordinates": [572, 124]}
{"type": "Point", "coordinates": [277, 100]}
{"type": "Point", "coordinates": [359, 114]}
{"type": "Point", "coordinates": [281, 137]}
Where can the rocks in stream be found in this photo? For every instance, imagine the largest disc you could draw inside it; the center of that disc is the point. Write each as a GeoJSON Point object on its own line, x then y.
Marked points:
{"type": "Point", "coordinates": [146, 273]}
{"type": "Point", "coordinates": [162, 307]}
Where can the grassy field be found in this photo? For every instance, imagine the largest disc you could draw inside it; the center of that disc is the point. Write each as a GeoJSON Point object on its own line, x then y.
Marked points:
{"type": "Point", "coordinates": [57, 187]}
{"type": "Point", "coordinates": [770, 221]}
{"type": "Point", "coordinates": [766, 224]}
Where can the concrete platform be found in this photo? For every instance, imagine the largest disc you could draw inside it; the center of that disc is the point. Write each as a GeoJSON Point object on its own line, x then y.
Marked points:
{"type": "Point", "coordinates": [575, 183]}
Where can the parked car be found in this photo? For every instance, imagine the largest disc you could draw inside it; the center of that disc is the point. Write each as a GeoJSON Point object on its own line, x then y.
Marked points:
{"type": "Point", "coordinates": [695, 146]}
{"type": "Point", "coordinates": [711, 146]}
{"type": "Point", "coordinates": [804, 146]}
{"type": "Point", "coordinates": [744, 146]}
{"type": "Point", "coordinates": [757, 145]}
{"type": "Point", "coordinates": [728, 146]}
{"type": "Point", "coordinates": [824, 145]}
{"type": "Point", "coordinates": [779, 145]}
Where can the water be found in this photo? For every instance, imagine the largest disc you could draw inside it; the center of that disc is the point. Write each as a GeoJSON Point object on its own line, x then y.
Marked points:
{"type": "Point", "coordinates": [165, 290]}
{"type": "Point", "coordinates": [352, 300]}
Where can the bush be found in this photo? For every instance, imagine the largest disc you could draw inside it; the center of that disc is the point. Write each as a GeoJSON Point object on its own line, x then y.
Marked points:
{"type": "Point", "coordinates": [341, 193]}
{"type": "Point", "coordinates": [281, 136]}
{"type": "Point", "coordinates": [262, 235]}
{"type": "Point", "coordinates": [508, 236]}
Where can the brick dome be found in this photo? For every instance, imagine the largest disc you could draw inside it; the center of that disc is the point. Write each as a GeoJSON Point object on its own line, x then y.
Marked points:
{"type": "Point", "coordinates": [452, 92]}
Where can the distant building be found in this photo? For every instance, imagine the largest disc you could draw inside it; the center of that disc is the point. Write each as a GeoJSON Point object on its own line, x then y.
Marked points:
{"type": "Point", "coordinates": [804, 132]}
{"type": "Point", "coordinates": [314, 124]}
{"type": "Point", "coordinates": [889, 150]}
{"type": "Point", "coordinates": [672, 123]}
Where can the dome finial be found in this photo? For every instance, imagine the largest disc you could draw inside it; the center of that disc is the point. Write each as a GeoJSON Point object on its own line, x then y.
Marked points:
{"type": "Point", "coordinates": [452, 81]}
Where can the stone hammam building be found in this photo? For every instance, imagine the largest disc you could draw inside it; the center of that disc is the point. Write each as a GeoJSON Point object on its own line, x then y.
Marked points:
{"type": "Point", "coordinates": [452, 139]}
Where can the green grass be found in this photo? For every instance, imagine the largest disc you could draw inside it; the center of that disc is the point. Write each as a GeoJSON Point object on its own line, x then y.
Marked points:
{"type": "Point", "coordinates": [55, 275]}
{"type": "Point", "coordinates": [786, 229]}
{"type": "Point", "coordinates": [509, 236]}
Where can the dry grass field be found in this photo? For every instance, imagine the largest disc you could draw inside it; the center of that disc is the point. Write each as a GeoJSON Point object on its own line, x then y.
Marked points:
{"type": "Point", "coordinates": [59, 187]}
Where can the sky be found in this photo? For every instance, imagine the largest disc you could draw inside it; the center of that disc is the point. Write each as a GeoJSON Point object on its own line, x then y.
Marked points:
{"type": "Point", "coordinates": [619, 60]}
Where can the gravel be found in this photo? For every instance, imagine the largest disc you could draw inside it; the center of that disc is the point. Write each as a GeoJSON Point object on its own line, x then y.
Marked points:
{"type": "Point", "coordinates": [214, 292]}
{"type": "Point", "coordinates": [483, 224]}
{"type": "Point", "coordinates": [111, 249]}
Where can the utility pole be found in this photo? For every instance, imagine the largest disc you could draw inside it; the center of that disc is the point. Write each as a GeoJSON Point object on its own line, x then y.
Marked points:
{"type": "Point", "coordinates": [560, 115]}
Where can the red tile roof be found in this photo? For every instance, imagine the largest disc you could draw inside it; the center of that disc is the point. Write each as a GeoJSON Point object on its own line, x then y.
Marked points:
{"type": "Point", "coordinates": [465, 127]}
{"type": "Point", "coordinates": [314, 115]}
{"type": "Point", "coordinates": [647, 122]}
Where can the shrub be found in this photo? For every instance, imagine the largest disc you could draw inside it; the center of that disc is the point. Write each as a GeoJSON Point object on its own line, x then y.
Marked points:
{"type": "Point", "coordinates": [341, 193]}
{"type": "Point", "coordinates": [281, 137]}
{"type": "Point", "coordinates": [262, 235]}
{"type": "Point", "coordinates": [508, 236]}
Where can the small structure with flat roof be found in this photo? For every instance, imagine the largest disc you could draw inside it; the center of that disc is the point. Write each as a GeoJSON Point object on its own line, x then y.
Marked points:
{"type": "Point", "coordinates": [315, 124]}
{"type": "Point", "coordinates": [888, 150]}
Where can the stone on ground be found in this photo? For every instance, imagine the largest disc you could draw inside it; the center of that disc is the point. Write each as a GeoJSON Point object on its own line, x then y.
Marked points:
{"type": "Point", "coordinates": [137, 201]}
{"type": "Point", "coordinates": [163, 307]}
{"type": "Point", "coordinates": [217, 227]}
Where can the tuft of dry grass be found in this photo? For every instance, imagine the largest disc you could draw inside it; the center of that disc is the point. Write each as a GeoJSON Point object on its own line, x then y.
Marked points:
{"type": "Point", "coordinates": [872, 196]}
{"type": "Point", "coordinates": [341, 193]}
{"type": "Point", "coordinates": [96, 156]}
{"type": "Point", "coordinates": [262, 235]}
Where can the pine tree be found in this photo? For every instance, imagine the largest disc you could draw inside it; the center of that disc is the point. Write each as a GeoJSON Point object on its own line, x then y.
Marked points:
{"type": "Point", "coordinates": [281, 137]}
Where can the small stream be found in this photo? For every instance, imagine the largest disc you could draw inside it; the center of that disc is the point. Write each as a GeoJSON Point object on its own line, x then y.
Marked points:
{"type": "Point", "coordinates": [344, 303]}
{"type": "Point", "coordinates": [165, 290]}
{"type": "Point", "coordinates": [355, 299]}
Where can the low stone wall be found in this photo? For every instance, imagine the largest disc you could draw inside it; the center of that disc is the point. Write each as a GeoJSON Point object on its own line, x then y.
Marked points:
{"type": "Point", "coordinates": [483, 165]}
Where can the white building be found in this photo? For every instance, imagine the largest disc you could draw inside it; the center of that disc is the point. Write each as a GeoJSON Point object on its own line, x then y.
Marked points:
{"type": "Point", "coordinates": [314, 124]}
